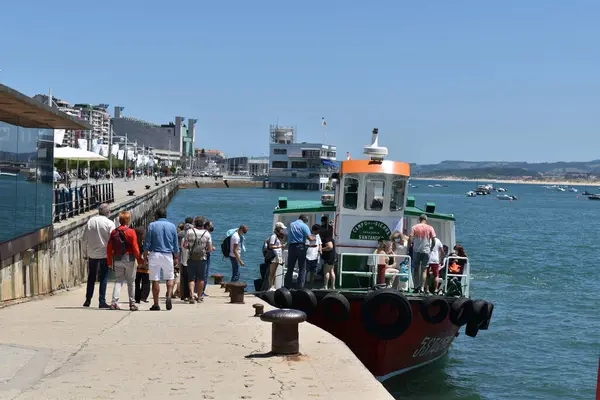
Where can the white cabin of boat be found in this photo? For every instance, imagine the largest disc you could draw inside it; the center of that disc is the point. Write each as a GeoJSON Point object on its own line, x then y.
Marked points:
{"type": "Point", "coordinates": [371, 202]}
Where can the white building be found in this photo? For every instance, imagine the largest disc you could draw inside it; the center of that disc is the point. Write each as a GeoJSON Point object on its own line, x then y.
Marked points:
{"type": "Point", "coordinates": [70, 136]}
{"type": "Point", "coordinates": [301, 166]}
{"type": "Point", "coordinates": [98, 117]}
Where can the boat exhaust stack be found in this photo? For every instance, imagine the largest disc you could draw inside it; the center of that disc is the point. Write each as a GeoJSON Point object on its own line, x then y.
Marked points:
{"type": "Point", "coordinates": [374, 151]}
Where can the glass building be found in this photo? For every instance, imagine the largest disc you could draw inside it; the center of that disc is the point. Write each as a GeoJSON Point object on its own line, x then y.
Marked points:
{"type": "Point", "coordinates": [26, 169]}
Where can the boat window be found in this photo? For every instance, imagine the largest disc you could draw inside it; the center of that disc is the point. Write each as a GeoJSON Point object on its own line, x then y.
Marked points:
{"type": "Point", "coordinates": [374, 195]}
{"type": "Point", "coordinates": [397, 196]}
{"type": "Point", "coordinates": [350, 193]}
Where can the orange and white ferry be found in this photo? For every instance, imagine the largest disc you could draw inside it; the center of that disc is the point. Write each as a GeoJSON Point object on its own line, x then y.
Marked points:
{"type": "Point", "coordinates": [390, 327]}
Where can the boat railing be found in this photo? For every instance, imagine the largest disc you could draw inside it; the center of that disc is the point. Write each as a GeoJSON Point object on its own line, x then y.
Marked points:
{"type": "Point", "coordinates": [463, 278]}
{"type": "Point", "coordinates": [404, 278]}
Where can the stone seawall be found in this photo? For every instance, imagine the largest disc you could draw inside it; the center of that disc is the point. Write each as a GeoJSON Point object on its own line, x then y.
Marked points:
{"type": "Point", "coordinates": [203, 182]}
{"type": "Point", "coordinates": [58, 264]}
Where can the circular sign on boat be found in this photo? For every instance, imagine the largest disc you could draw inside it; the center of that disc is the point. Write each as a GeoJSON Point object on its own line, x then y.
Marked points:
{"type": "Point", "coordinates": [370, 230]}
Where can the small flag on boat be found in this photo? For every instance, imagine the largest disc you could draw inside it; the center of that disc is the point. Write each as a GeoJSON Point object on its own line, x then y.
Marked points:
{"type": "Point", "coordinates": [348, 156]}
{"type": "Point", "coordinates": [323, 121]}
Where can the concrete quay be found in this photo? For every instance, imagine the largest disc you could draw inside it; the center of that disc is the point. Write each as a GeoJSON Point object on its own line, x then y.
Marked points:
{"type": "Point", "coordinates": [56, 349]}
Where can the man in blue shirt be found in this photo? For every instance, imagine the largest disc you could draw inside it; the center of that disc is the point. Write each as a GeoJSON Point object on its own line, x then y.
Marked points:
{"type": "Point", "coordinates": [298, 233]}
{"type": "Point", "coordinates": [161, 248]}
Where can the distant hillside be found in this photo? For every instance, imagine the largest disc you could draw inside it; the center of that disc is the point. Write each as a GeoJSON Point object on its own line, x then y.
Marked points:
{"type": "Point", "coordinates": [481, 173]}
{"type": "Point", "coordinates": [504, 168]}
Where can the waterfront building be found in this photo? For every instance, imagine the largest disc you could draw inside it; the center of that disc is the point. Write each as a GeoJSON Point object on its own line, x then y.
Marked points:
{"type": "Point", "coordinates": [249, 166]}
{"type": "Point", "coordinates": [302, 166]}
{"type": "Point", "coordinates": [67, 137]}
{"type": "Point", "coordinates": [26, 169]}
{"type": "Point", "coordinates": [169, 142]}
{"type": "Point", "coordinates": [99, 118]}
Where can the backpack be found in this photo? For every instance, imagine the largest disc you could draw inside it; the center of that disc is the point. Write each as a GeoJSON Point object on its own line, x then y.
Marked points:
{"type": "Point", "coordinates": [268, 254]}
{"type": "Point", "coordinates": [197, 252]}
{"type": "Point", "coordinates": [119, 241]}
{"type": "Point", "coordinates": [226, 247]}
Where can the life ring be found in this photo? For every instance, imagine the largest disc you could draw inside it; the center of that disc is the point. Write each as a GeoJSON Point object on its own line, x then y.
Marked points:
{"type": "Point", "coordinates": [485, 324]}
{"type": "Point", "coordinates": [386, 314]}
{"type": "Point", "coordinates": [461, 311]}
{"type": "Point", "coordinates": [269, 297]}
{"type": "Point", "coordinates": [335, 307]}
{"type": "Point", "coordinates": [434, 309]}
{"type": "Point", "coordinates": [283, 298]}
{"type": "Point", "coordinates": [304, 300]}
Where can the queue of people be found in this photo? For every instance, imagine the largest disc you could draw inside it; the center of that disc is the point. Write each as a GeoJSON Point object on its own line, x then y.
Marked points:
{"type": "Point", "coordinates": [140, 258]}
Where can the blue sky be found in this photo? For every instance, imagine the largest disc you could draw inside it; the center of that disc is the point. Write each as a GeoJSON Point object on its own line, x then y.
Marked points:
{"type": "Point", "coordinates": [472, 80]}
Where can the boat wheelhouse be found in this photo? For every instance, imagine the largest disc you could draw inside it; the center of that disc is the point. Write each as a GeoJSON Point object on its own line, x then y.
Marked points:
{"type": "Point", "coordinates": [389, 326]}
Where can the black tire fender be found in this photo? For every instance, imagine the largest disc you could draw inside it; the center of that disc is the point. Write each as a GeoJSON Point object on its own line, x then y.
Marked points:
{"type": "Point", "coordinates": [283, 298]}
{"type": "Point", "coordinates": [485, 324]}
{"type": "Point", "coordinates": [461, 311]}
{"type": "Point", "coordinates": [395, 301]}
{"type": "Point", "coordinates": [472, 328]}
{"type": "Point", "coordinates": [480, 312]}
{"type": "Point", "coordinates": [431, 303]}
{"type": "Point", "coordinates": [304, 300]}
{"type": "Point", "coordinates": [269, 297]}
{"type": "Point", "coordinates": [335, 307]}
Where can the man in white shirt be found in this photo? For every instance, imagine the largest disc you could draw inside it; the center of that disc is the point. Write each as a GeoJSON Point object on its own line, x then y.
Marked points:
{"type": "Point", "coordinates": [95, 239]}
{"type": "Point", "coordinates": [436, 258]}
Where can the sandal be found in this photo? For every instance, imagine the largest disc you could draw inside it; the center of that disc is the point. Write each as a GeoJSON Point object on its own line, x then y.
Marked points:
{"type": "Point", "coordinates": [115, 306]}
{"type": "Point", "coordinates": [133, 307]}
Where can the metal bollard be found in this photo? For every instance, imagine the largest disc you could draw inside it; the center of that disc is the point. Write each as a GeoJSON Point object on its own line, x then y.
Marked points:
{"type": "Point", "coordinates": [236, 292]}
{"type": "Point", "coordinates": [258, 309]}
{"type": "Point", "coordinates": [218, 278]}
{"type": "Point", "coordinates": [147, 187]}
{"type": "Point", "coordinates": [130, 192]}
{"type": "Point", "coordinates": [284, 332]}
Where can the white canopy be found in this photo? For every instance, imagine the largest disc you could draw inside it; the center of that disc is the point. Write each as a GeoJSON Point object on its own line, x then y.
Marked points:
{"type": "Point", "coordinates": [70, 153]}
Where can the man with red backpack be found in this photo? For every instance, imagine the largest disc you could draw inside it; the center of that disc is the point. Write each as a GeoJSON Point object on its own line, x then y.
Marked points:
{"type": "Point", "coordinates": [122, 253]}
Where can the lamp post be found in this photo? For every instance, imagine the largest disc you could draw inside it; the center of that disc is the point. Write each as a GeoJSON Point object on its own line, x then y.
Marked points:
{"type": "Point", "coordinates": [110, 138]}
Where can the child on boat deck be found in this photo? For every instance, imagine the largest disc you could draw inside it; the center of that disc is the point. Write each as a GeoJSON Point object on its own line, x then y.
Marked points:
{"type": "Point", "coordinates": [386, 262]}
{"type": "Point", "coordinates": [313, 252]}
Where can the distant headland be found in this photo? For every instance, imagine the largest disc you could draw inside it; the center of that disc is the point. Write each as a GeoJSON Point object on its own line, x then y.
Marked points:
{"type": "Point", "coordinates": [562, 172]}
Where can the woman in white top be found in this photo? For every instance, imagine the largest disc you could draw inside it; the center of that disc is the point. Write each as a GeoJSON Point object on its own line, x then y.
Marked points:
{"type": "Point", "coordinates": [275, 243]}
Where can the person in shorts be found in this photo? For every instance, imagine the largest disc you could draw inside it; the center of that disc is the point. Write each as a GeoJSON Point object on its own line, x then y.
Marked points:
{"type": "Point", "coordinates": [313, 252]}
{"type": "Point", "coordinates": [198, 243]}
{"type": "Point", "coordinates": [161, 250]}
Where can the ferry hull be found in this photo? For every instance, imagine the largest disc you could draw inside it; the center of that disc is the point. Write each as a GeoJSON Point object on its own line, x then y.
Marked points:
{"type": "Point", "coordinates": [421, 344]}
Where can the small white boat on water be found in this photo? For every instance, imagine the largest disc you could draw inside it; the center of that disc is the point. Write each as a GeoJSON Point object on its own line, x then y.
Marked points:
{"type": "Point", "coordinates": [506, 197]}
{"type": "Point", "coordinates": [430, 186]}
{"type": "Point", "coordinates": [572, 190]}
{"type": "Point", "coordinates": [471, 193]}
{"type": "Point", "coordinates": [500, 190]}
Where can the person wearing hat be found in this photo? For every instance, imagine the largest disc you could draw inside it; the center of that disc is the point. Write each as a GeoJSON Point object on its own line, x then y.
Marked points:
{"type": "Point", "coordinates": [275, 244]}
{"type": "Point", "coordinates": [421, 236]}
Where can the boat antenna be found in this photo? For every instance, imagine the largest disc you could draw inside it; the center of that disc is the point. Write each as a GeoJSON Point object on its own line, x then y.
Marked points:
{"type": "Point", "coordinates": [374, 151]}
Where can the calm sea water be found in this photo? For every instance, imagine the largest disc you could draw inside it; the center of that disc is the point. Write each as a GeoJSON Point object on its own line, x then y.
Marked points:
{"type": "Point", "coordinates": [535, 258]}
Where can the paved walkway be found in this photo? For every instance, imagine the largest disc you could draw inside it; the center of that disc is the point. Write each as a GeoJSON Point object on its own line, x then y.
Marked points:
{"type": "Point", "coordinates": [120, 187]}
{"type": "Point", "coordinates": [56, 349]}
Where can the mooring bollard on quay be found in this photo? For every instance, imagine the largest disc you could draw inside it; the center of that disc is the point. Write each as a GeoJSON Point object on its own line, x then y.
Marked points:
{"type": "Point", "coordinates": [236, 291]}
{"type": "Point", "coordinates": [258, 309]}
{"type": "Point", "coordinates": [284, 332]}
{"type": "Point", "coordinates": [218, 278]}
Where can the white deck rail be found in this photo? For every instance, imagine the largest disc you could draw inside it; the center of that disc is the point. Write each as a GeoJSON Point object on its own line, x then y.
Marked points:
{"type": "Point", "coordinates": [373, 267]}
{"type": "Point", "coordinates": [465, 277]}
